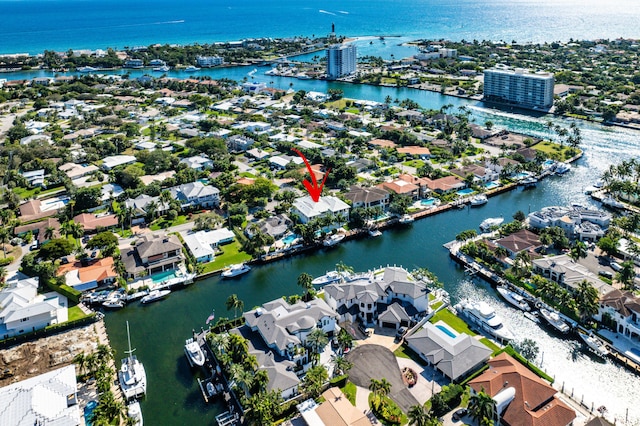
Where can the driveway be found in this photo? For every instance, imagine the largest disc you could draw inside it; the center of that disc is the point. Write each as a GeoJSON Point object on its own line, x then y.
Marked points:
{"type": "Point", "coordinates": [378, 362]}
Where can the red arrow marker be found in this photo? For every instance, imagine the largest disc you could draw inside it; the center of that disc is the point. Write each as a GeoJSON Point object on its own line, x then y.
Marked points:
{"type": "Point", "coordinates": [313, 189]}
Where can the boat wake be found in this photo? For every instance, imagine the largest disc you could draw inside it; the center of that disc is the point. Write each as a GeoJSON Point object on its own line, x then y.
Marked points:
{"type": "Point", "coordinates": [326, 12]}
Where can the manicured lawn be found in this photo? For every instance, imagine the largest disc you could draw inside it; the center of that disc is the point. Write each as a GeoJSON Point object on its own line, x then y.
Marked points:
{"type": "Point", "coordinates": [231, 255]}
{"type": "Point", "coordinates": [392, 407]}
{"type": "Point", "coordinates": [406, 352]}
{"type": "Point", "coordinates": [488, 343]}
{"type": "Point", "coordinates": [75, 313]}
{"type": "Point", "coordinates": [554, 150]}
{"type": "Point", "coordinates": [163, 223]}
{"type": "Point", "coordinates": [453, 321]}
{"type": "Point", "coordinates": [414, 163]}
{"type": "Point", "coordinates": [350, 391]}
{"type": "Point", "coordinates": [436, 305]}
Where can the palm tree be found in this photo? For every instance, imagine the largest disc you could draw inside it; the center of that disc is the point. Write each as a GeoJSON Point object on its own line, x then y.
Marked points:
{"type": "Point", "coordinates": [48, 232]}
{"type": "Point", "coordinates": [121, 214]}
{"type": "Point", "coordinates": [316, 341]}
{"type": "Point", "coordinates": [4, 238]}
{"type": "Point", "coordinates": [243, 377]}
{"type": "Point", "coordinates": [151, 208]}
{"type": "Point", "coordinates": [306, 282]}
{"type": "Point", "coordinates": [522, 263]}
{"type": "Point", "coordinates": [626, 275]}
{"type": "Point", "coordinates": [81, 361]}
{"type": "Point", "coordinates": [418, 416]}
{"type": "Point", "coordinates": [586, 299]}
{"type": "Point", "coordinates": [341, 365]}
{"type": "Point", "coordinates": [233, 302]}
{"type": "Point", "coordinates": [482, 407]}
{"type": "Point", "coordinates": [578, 251]}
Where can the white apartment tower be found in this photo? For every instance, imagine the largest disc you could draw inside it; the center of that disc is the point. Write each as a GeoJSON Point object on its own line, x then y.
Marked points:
{"type": "Point", "coordinates": [519, 88]}
{"type": "Point", "coordinates": [341, 60]}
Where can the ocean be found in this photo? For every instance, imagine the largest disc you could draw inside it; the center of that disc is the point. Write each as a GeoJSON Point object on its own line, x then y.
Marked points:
{"type": "Point", "coordinates": [31, 26]}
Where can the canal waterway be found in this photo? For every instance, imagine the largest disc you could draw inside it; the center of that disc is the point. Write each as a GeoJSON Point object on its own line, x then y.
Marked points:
{"type": "Point", "coordinates": [159, 330]}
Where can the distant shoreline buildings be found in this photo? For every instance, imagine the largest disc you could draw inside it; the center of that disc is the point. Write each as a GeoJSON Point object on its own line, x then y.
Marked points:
{"type": "Point", "coordinates": [519, 88]}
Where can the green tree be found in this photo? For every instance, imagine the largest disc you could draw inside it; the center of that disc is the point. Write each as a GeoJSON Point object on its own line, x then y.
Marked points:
{"type": "Point", "coordinates": [586, 300]}
{"type": "Point", "coordinates": [306, 282]}
{"type": "Point", "coordinates": [341, 365]}
{"type": "Point", "coordinates": [233, 302]}
{"type": "Point", "coordinates": [608, 244]}
{"type": "Point", "coordinates": [55, 249]}
{"type": "Point", "coordinates": [314, 381]}
{"type": "Point", "coordinates": [481, 408]}
{"type": "Point", "coordinates": [528, 348]}
{"type": "Point", "coordinates": [578, 251]}
{"type": "Point", "coordinates": [626, 275]}
{"type": "Point", "coordinates": [316, 342]}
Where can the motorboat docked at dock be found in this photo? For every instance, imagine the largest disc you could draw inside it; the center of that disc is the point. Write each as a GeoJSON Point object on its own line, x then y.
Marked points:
{"type": "Point", "coordinates": [406, 219]}
{"type": "Point", "coordinates": [562, 168]}
{"type": "Point", "coordinates": [485, 317]}
{"type": "Point", "coordinates": [192, 68]}
{"type": "Point", "coordinates": [611, 202]}
{"type": "Point", "coordinates": [553, 318]}
{"type": "Point", "coordinates": [374, 232]}
{"type": "Point", "coordinates": [514, 298]}
{"type": "Point", "coordinates": [194, 353]}
{"type": "Point", "coordinates": [328, 278]}
{"type": "Point", "coordinates": [594, 344]}
{"type": "Point", "coordinates": [478, 200]}
{"type": "Point", "coordinates": [87, 69]}
{"type": "Point", "coordinates": [154, 296]}
{"type": "Point", "coordinates": [135, 412]}
{"type": "Point", "coordinates": [489, 223]}
{"type": "Point", "coordinates": [332, 240]}
{"type": "Point", "coordinates": [132, 376]}
{"type": "Point", "coordinates": [235, 270]}
{"type": "Point", "coordinates": [116, 301]}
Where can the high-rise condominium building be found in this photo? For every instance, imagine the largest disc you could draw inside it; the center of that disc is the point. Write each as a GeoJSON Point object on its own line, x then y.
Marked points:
{"type": "Point", "coordinates": [519, 88]}
{"type": "Point", "coordinates": [341, 60]}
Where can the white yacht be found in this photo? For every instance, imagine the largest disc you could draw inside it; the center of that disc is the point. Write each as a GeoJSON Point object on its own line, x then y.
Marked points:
{"type": "Point", "coordinates": [332, 240]}
{"type": "Point", "coordinates": [134, 412]}
{"type": "Point", "coordinates": [562, 168]}
{"type": "Point", "coordinates": [514, 298]}
{"type": "Point", "coordinates": [132, 377]}
{"type": "Point", "coordinates": [235, 270]}
{"type": "Point", "coordinates": [594, 344]}
{"type": "Point", "coordinates": [553, 318]}
{"type": "Point", "coordinates": [489, 223]}
{"type": "Point", "coordinates": [154, 296]}
{"type": "Point", "coordinates": [194, 353]}
{"type": "Point", "coordinates": [374, 232]}
{"type": "Point", "coordinates": [478, 200]}
{"type": "Point", "coordinates": [272, 71]}
{"type": "Point", "coordinates": [163, 68]}
{"type": "Point", "coordinates": [192, 68]}
{"type": "Point", "coordinates": [328, 278]}
{"type": "Point", "coordinates": [485, 317]}
{"type": "Point", "coordinates": [113, 303]}
{"type": "Point", "coordinates": [405, 219]}
{"type": "Point", "coordinates": [611, 202]}
{"type": "Point", "coordinates": [87, 69]}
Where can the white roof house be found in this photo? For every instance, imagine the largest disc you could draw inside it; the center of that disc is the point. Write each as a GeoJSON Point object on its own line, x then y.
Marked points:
{"type": "Point", "coordinates": [109, 163]}
{"type": "Point", "coordinates": [201, 244]}
{"type": "Point", "coordinates": [307, 209]}
{"type": "Point", "coordinates": [75, 171]}
{"type": "Point", "coordinates": [198, 162]}
{"type": "Point", "coordinates": [47, 399]}
{"type": "Point", "coordinates": [196, 194]}
{"type": "Point", "coordinates": [23, 310]}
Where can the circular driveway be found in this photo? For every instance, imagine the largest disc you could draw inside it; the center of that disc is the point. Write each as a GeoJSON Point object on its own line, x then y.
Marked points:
{"type": "Point", "coordinates": [378, 362]}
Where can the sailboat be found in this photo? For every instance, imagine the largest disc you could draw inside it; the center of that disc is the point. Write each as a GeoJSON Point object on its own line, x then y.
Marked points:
{"type": "Point", "coordinates": [132, 377]}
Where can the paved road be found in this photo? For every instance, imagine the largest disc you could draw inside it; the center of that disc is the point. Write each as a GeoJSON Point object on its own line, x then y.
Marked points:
{"type": "Point", "coordinates": [377, 362]}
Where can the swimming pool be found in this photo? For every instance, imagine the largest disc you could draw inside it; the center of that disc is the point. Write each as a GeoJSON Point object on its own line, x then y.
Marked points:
{"type": "Point", "coordinates": [548, 163]}
{"type": "Point", "coordinates": [446, 330]}
{"type": "Point", "coordinates": [428, 201]}
{"type": "Point", "coordinates": [163, 276]}
{"type": "Point", "coordinates": [522, 175]}
{"type": "Point", "coordinates": [491, 185]}
{"type": "Point", "coordinates": [290, 239]}
{"type": "Point", "coordinates": [88, 412]}
{"type": "Point", "coordinates": [465, 191]}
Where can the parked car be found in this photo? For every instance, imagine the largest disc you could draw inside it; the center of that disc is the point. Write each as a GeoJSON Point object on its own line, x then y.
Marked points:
{"type": "Point", "coordinates": [34, 246]}
{"type": "Point", "coordinates": [459, 414]}
{"type": "Point", "coordinates": [400, 333]}
{"type": "Point", "coordinates": [606, 274]}
{"type": "Point", "coordinates": [615, 266]}
{"type": "Point", "coordinates": [364, 330]}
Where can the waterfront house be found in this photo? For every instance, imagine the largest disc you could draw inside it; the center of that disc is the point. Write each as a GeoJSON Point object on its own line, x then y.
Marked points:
{"type": "Point", "coordinates": [196, 195]}
{"type": "Point", "coordinates": [306, 209]}
{"type": "Point", "coordinates": [367, 298]}
{"type": "Point", "coordinates": [422, 183]}
{"type": "Point", "coordinates": [564, 271]}
{"type": "Point", "coordinates": [521, 397]}
{"type": "Point", "coordinates": [202, 244]}
{"type": "Point", "coordinates": [133, 63]}
{"type": "Point", "coordinates": [47, 399]}
{"type": "Point", "coordinates": [402, 187]}
{"type": "Point", "coordinates": [276, 226]}
{"type": "Point", "coordinates": [479, 173]}
{"type": "Point", "coordinates": [368, 197]}
{"type": "Point", "coordinates": [454, 354]}
{"type": "Point", "coordinates": [153, 253]}
{"type": "Point", "coordinates": [578, 222]}
{"type": "Point", "coordinates": [621, 311]}
{"type": "Point", "coordinates": [83, 276]}
{"type": "Point", "coordinates": [522, 240]}
{"type": "Point", "coordinates": [284, 327]}
{"type": "Point", "coordinates": [23, 310]}
{"type": "Point", "coordinates": [445, 184]}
